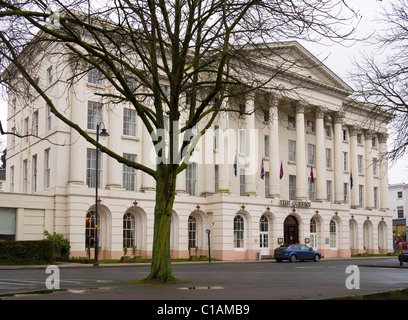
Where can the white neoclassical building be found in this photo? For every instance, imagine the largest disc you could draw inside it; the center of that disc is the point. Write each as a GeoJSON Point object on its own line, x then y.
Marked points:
{"type": "Point", "coordinates": [290, 172]}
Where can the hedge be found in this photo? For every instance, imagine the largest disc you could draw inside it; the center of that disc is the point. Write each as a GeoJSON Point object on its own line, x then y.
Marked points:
{"type": "Point", "coordinates": [27, 252]}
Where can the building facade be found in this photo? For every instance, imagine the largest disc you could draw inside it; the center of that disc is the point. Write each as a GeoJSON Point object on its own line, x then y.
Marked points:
{"type": "Point", "coordinates": [398, 197]}
{"type": "Point", "coordinates": [308, 172]}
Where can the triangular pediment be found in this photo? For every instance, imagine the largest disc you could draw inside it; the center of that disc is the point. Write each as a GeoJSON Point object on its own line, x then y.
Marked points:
{"type": "Point", "coordinates": [297, 63]}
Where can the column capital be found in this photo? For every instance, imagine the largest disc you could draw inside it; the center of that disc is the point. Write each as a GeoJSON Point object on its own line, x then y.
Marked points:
{"type": "Point", "coordinates": [383, 137]}
{"type": "Point", "coordinates": [299, 106]}
{"type": "Point", "coordinates": [319, 112]}
{"type": "Point", "coordinates": [353, 130]}
{"type": "Point", "coordinates": [338, 116]}
{"type": "Point", "coordinates": [368, 134]}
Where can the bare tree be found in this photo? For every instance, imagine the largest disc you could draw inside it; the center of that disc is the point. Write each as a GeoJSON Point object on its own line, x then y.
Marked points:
{"type": "Point", "coordinates": [208, 51]}
{"type": "Point", "coordinates": [381, 79]}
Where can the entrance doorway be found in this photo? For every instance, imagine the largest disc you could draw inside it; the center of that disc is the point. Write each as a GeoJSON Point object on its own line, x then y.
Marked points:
{"type": "Point", "coordinates": [291, 230]}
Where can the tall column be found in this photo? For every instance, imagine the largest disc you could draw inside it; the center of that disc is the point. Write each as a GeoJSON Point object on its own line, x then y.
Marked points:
{"type": "Point", "coordinates": [301, 183]}
{"type": "Point", "coordinates": [250, 157]}
{"type": "Point", "coordinates": [149, 158]}
{"type": "Point", "coordinates": [321, 192]}
{"type": "Point", "coordinates": [383, 172]}
{"type": "Point", "coordinates": [338, 158]}
{"type": "Point", "coordinates": [222, 156]}
{"type": "Point", "coordinates": [77, 156]}
{"type": "Point", "coordinates": [274, 157]}
{"type": "Point", "coordinates": [181, 177]}
{"type": "Point", "coordinates": [354, 167]}
{"type": "Point", "coordinates": [369, 189]}
{"type": "Point", "coordinates": [114, 167]}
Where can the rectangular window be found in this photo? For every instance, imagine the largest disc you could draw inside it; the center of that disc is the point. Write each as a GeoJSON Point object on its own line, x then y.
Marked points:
{"type": "Point", "coordinates": [266, 142]}
{"type": "Point", "coordinates": [216, 137]}
{"type": "Point", "coordinates": [13, 138]}
{"type": "Point", "coordinates": [359, 138]}
{"type": "Point", "coordinates": [329, 190]}
{"type": "Point", "coordinates": [291, 122]}
{"type": "Point", "coordinates": [361, 196]}
{"type": "Point", "coordinates": [129, 173]}
{"type": "Point", "coordinates": [376, 197]}
{"type": "Point", "coordinates": [292, 187]}
{"type": "Point", "coordinates": [310, 126]}
{"type": "Point", "coordinates": [266, 184]}
{"type": "Point", "coordinates": [374, 142]}
{"type": "Point", "coordinates": [328, 158]}
{"type": "Point", "coordinates": [400, 212]}
{"type": "Point", "coordinates": [216, 178]}
{"type": "Point", "coordinates": [375, 166]}
{"type": "Point", "coordinates": [191, 179]}
{"type": "Point", "coordinates": [345, 193]}
{"type": "Point", "coordinates": [311, 154]}
{"type": "Point", "coordinates": [241, 107]}
{"type": "Point", "coordinates": [292, 150]}
{"type": "Point", "coordinates": [312, 190]}
{"type": "Point", "coordinates": [35, 123]}
{"type": "Point", "coordinates": [12, 179]}
{"type": "Point", "coordinates": [345, 161]}
{"type": "Point", "coordinates": [91, 168]}
{"type": "Point", "coordinates": [242, 181]}
{"type": "Point", "coordinates": [345, 135]}
{"type": "Point", "coordinates": [129, 122]}
{"type": "Point", "coordinates": [49, 75]}
{"type": "Point", "coordinates": [49, 113]}
{"type": "Point", "coordinates": [242, 142]}
{"type": "Point", "coordinates": [25, 174]}
{"type": "Point", "coordinates": [94, 114]}
{"type": "Point", "coordinates": [34, 164]}
{"type": "Point", "coordinates": [95, 76]}
{"type": "Point", "coordinates": [399, 194]}
{"type": "Point", "coordinates": [360, 163]}
{"type": "Point", "coordinates": [327, 130]}
{"type": "Point", "coordinates": [26, 129]}
{"type": "Point", "coordinates": [47, 171]}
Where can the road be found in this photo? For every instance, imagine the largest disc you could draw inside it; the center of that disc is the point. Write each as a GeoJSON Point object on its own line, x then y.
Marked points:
{"type": "Point", "coordinates": [216, 281]}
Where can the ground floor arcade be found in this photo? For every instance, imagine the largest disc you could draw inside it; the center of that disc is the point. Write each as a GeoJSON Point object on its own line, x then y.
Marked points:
{"type": "Point", "coordinates": [238, 228]}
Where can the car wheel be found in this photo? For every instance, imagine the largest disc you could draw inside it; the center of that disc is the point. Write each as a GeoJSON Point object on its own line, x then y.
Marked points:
{"type": "Point", "coordinates": [316, 258]}
{"type": "Point", "coordinates": [292, 258]}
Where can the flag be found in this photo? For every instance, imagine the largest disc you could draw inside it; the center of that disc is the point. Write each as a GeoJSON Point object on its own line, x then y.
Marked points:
{"type": "Point", "coordinates": [235, 164]}
{"type": "Point", "coordinates": [311, 175]}
{"type": "Point", "coordinates": [281, 172]}
{"type": "Point", "coordinates": [351, 180]}
{"type": "Point", "coordinates": [262, 169]}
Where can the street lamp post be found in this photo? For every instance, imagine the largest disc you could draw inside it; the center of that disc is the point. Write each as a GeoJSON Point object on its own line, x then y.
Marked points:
{"type": "Point", "coordinates": [103, 133]}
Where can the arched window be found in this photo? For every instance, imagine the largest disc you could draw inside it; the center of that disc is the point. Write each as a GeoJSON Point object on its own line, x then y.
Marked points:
{"type": "Point", "coordinates": [313, 233]}
{"type": "Point", "coordinates": [333, 234]}
{"type": "Point", "coordinates": [353, 234]}
{"type": "Point", "coordinates": [90, 229]}
{"type": "Point", "coordinates": [192, 231]}
{"type": "Point", "coordinates": [239, 227]}
{"type": "Point", "coordinates": [382, 235]}
{"type": "Point", "coordinates": [129, 230]}
{"type": "Point", "coordinates": [263, 224]}
{"type": "Point", "coordinates": [368, 235]}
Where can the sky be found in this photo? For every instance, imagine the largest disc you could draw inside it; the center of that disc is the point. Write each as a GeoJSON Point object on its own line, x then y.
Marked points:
{"type": "Point", "coordinates": [339, 59]}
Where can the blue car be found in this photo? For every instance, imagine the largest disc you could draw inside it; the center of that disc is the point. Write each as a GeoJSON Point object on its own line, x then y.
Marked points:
{"type": "Point", "coordinates": [293, 252]}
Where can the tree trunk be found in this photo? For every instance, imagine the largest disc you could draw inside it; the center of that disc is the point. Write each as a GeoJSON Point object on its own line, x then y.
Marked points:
{"type": "Point", "coordinates": [165, 192]}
